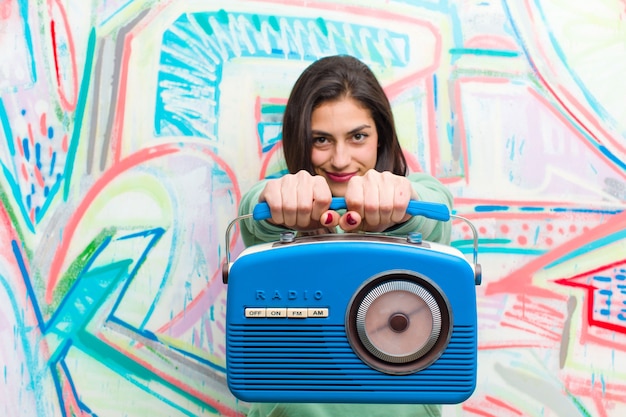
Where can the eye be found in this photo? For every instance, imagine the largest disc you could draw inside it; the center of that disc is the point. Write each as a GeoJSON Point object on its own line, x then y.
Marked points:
{"type": "Point", "coordinates": [360, 137]}
{"type": "Point", "coordinates": [320, 141]}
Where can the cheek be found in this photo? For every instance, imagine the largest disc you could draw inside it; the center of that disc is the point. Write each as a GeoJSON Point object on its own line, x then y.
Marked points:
{"type": "Point", "coordinates": [317, 158]}
{"type": "Point", "coordinates": [370, 157]}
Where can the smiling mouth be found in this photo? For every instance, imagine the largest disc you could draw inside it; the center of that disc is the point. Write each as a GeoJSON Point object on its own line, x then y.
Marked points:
{"type": "Point", "coordinates": [338, 177]}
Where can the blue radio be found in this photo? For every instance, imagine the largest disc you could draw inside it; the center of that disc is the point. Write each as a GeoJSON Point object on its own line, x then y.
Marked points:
{"type": "Point", "coordinates": [352, 318]}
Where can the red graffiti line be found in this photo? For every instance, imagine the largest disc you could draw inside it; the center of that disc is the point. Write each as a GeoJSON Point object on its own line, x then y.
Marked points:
{"type": "Point", "coordinates": [502, 404]}
{"type": "Point", "coordinates": [520, 281]}
{"type": "Point", "coordinates": [67, 95]}
{"type": "Point", "coordinates": [593, 291]}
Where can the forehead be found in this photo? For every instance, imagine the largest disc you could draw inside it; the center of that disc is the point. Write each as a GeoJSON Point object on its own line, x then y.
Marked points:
{"type": "Point", "coordinates": [342, 108]}
{"type": "Point", "coordinates": [344, 98]}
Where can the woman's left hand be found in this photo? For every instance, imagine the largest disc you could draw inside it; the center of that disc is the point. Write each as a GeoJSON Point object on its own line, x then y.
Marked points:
{"type": "Point", "coordinates": [376, 201]}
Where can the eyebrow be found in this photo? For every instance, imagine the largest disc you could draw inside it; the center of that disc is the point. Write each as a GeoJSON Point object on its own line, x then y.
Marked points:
{"type": "Point", "coordinates": [351, 132]}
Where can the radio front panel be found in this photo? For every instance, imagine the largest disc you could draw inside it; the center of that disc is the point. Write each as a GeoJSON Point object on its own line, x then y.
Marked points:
{"type": "Point", "coordinates": [341, 320]}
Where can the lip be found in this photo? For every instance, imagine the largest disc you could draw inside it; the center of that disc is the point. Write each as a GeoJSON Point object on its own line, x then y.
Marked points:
{"type": "Point", "coordinates": [339, 176]}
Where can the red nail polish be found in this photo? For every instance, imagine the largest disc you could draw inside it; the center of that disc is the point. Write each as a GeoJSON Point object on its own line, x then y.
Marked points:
{"type": "Point", "coordinates": [329, 219]}
{"type": "Point", "coordinates": [350, 219]}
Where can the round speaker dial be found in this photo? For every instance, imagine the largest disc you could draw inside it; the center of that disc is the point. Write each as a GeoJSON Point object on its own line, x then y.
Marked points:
{"type": "Point", "coordinates": [402, 323]}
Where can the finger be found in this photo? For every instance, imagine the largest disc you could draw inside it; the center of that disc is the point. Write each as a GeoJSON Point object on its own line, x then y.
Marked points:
{"type": "Point", "coordinates": [386, 198]}
{"type": "Point", "coordinates": [304, 196]}
{"type": "Point", "coordinates": [371, 201]}
{"type": "Point", "coordinates": [401, 199]}
{"type": "Point", "coordinates": [322, 197]}
{"type": "Point", "coordinates": [354, 195]}
{"type": "Point", "coordinates": [289, 199]}
{"type": "Point", "coordinates": [350, 221]}
{"type": "Point", "coordinates": [399, 214]}
{"type": "Point", "coordinates": [271, 195]}
{"type": "Point", "coordinates": [329, 218]}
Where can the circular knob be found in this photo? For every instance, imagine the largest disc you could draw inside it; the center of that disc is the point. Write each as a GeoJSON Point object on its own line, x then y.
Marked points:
{"type": "Point", "coordinates": [398, 322]}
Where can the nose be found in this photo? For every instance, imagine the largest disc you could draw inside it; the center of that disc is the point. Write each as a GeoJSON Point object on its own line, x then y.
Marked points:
{"type": "Point", "coordinates": [341, 156]}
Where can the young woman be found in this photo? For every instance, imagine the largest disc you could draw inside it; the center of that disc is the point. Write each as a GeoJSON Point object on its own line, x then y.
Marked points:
{"type": "Point", "coordinates": [339, 140]}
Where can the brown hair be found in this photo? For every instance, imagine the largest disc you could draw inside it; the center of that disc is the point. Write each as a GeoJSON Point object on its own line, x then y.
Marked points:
{"type": "Point", "coordinates": [332, 78]}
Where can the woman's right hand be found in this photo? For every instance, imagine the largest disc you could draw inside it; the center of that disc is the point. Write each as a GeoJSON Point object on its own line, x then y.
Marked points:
{"type": "Point", "coordinates": [300, 201]}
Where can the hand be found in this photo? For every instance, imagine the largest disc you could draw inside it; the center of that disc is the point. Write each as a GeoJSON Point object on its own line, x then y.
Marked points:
{"type": "Point", "coordinates": [299, 201]}
{"type": "Point", "coordinates": [376, 201]}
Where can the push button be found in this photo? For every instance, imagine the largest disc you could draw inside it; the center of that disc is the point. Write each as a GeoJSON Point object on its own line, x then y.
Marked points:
{"type": "Point", "coordinates": [318, 312]}
{"type": "Point", "coordinates": [255, 312]}
{"type": "Point", "coordinates": [297, 313]}
{"type": "Point", "coordinates": [282, 312]}
{"type": "Point", "coordinates": [276, 312]}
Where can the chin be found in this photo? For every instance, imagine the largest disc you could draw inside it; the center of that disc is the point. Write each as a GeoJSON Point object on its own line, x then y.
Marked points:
{"type": "Point", "coordinates": [338, 190]}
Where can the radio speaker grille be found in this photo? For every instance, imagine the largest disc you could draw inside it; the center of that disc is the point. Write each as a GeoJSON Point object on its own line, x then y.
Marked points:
{"type": "Point", "coordinates": [296, 358]}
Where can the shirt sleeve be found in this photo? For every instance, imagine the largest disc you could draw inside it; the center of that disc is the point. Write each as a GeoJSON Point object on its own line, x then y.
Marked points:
{"type": "Point", "coordinates": [428, 188]}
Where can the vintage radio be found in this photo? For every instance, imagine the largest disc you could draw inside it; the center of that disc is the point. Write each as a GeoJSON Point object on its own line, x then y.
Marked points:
{"type": "Point", "coordinates": [352, 318]}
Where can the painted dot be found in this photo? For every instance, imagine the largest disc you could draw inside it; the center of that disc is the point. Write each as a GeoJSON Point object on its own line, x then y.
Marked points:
{"type": "Point", "coordinates": [525, 226]}
{"type": "Point", "coordinates": [549, 227]}
{"type": "Point", "coordinates": [549, 241]}
{"type": "Point", "coordinates": [572, 228]}
{"type": "Point", "coordinates": [504, 228]}
{"type": "Point", "coordinates": [482, 230]}
{"type": "Point", "coordinates": [522, 240]}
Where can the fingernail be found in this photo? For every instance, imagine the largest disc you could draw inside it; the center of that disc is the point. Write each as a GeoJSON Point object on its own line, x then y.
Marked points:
{"type": "Point", "coordinates": [329, 219]}
{"type": "Point", "coordinates": [350, 219]}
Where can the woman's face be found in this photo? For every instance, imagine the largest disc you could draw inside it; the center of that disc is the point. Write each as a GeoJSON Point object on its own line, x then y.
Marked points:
{"type": "Point", "coordinates": [345, 142]}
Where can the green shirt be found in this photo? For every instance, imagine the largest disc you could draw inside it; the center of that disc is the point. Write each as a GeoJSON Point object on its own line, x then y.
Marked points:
{"type": "Point", "coordinates": [255, 232]}
{"type": "Point", "coordinates": [344, 410]}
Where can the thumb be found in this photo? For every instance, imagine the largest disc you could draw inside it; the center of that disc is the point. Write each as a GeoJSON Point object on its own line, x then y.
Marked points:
{"type": "Point", "coordinates": [350, 221]}
{"type": "Point", "coordinates": [329, 218]}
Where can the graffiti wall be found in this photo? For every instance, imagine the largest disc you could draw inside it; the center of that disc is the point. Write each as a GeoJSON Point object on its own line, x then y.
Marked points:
{"type": "Point", "coordinates": [129, 130]}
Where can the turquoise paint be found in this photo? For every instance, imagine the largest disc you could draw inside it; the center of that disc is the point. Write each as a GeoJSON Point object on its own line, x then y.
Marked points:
{"type": "Point", "coordinates": [484, 52]}
{"type": "Point", "coordinates": [80, 113]}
